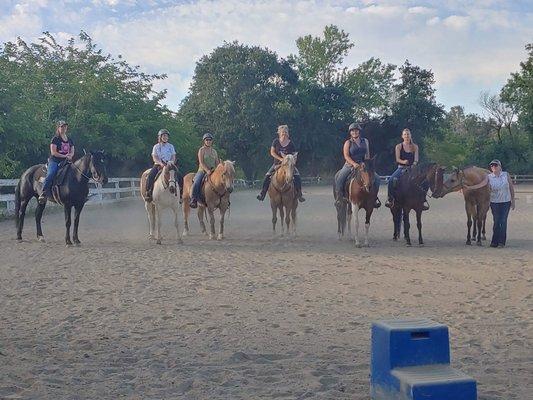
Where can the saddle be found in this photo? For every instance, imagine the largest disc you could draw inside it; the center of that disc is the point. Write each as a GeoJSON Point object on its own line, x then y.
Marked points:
{"type": "Point", "coordinates": [59, 179]}
{"type": "Point", "coordinates": [353, 175]}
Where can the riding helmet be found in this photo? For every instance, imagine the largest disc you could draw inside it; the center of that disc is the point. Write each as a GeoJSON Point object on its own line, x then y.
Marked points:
{"type": "Point", "coordinates": [355, 125]}
{"type": "Point", "coordinates": [207, 136]}
{"type": "Point", "coordinates": [163, 132]}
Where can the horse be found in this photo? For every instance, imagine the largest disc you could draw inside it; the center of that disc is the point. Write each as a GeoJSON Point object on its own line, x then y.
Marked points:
{"type": "Point", "coordinates": [283, 195]}
{"type": "Point", "coordinates": [164, 195]}
{"type": "Point", "coordinates": [362, 193]}
{"type": "Point", "coordinates": [411, 194]}
{"type": "Point", "coordinates": [216, 191]}
{"type": "Point", "coordinates": [72, 192]}
{"type": "Point", "coordinates": [473, 181]}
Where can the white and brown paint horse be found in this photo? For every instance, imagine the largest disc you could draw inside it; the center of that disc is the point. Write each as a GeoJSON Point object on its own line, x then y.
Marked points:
{"type": "Point", "coordinates": [283, 195]}
{"type": "Point", "coordinates": [474, 183]}
{"type": "Point", "coordinates": [362, 193]}
{"type": "Point", "coordinates": [216, 191]}
{"type": "Point", "coordinates": [164, 195]}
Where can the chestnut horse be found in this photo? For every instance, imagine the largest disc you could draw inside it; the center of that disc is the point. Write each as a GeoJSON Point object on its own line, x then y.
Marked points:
{"type": "Point", "coordinates": [164, 195]}
{"type": "Point", "coordinates": [362, 189]}
{"type": "Point", "coordinates": [473, 181]}
{"type": "Point", "coordinates": [282, 194]}
{"type": "Point", "coordinates": [216, 190]}
{"type": "Point", "coordinates": [411, 194]}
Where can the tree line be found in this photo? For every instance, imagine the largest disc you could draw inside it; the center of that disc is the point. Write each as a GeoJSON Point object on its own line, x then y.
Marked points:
{"type": "Point", "coordinates": [241, 93]}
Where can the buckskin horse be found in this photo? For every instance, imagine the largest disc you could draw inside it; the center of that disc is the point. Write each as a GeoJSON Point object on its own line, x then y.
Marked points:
{"type": "Point", "coordinates": [282, 194]}
{"type": "Point", "coordinates": [473, 181]}
{"type": "Point", "coordinates": [215, 191]}
{"type": "Point", "coordinates": [362, 192]}
{"type": "Point", "coordinates": [410, 195]}
{"type": "Point", "coordinates": [164, 195]}
{"type": "Point", "coordinates": [71, 192]}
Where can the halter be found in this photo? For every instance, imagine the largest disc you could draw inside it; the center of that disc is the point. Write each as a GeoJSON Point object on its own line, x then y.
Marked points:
{"type": "Point", "coordinates": [83, 174]}
{"type": "Point", "coordinates": [170, 181]}
{"type": "Point", "coordinates": [213, 187]}
{"type": "Point", "coordinates": [462, 185]}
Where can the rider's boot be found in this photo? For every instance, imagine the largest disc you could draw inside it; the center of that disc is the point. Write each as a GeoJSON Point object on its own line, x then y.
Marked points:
{"type": "Point", "coordinates": [390, 202]}
{"type": "Point", "coordinates": [425, 206]}
{"type": "Point", "coordinates": [266, 184]}
{"type": "Point", "coordinates": [193, 203]}
{"type": "Point", "coordinates": [42, 198]}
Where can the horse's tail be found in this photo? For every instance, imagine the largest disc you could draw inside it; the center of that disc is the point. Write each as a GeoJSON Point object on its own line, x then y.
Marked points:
{"type": "Point", "coordinates": [17, 203]}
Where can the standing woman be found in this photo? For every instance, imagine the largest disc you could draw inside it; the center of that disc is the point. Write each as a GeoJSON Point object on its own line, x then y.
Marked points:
{"type": "Point", "coordinates": [61, 149]}
{"type": "Point", "coordinates": [281, 146]}
{"type": "Point", "coordinates": [501, 200]}
{"type": "Point", "coordinates": [207, 162]}
{"type": "Point", "coordinates": [355, 151]}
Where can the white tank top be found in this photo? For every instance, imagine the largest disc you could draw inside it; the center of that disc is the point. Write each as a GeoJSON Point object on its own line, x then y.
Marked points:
{"type": "Point", "coordinates": [499, 188]}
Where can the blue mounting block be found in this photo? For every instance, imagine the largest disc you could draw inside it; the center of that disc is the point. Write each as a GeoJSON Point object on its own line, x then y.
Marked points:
{"type": "Point", "coordinates": [410, 359]}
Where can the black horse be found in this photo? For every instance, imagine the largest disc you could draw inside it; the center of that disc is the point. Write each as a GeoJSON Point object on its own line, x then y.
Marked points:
{"type": "Point", "coordinates": [72, 192]}
{"type": "Point", "coordinates": [410, 194]}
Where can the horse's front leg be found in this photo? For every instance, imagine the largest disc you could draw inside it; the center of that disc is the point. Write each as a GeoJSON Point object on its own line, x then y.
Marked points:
{"type": "Point", "coordinates": [150, 211]}
{"type": "Point", "coordinates": [68, 216]}
{"type": "Point", "coordinates": [186, 211]}
{"type": "Point", "coordinates": [419, 226]}
{"type": "Point", "coordinates": [369, 210]}
{"type": "Point", "coordinates": [282, 217]}
{"type": "Point", "coordinates": [201, 214]}
{"type": "Point", "coordinates": [484, 218]}
{"type": "Point", "coordinates": [38, 218]}
{"type": "Point", "coordinates": [274, 217]}
{"type": "Point", "coordinates": [355, 211]}
{"type": "Point", "coordinates": [222, 210]}
{"type": "Point", "coordinates": [211, 223]}
{"type": "Point", "coordinates": [479, 224]}
{"type": "Point", "coordinates": [396, 215]}
{"type": "Point", "coordinates": [176, 223]}
{"type": "Point", "coordinates": [469, 216]}
{"type": "Point", "coordinates": [157, 214]}
{"type": "Point", "coordinates": [293, 217]}
{"type": "Point", "coordinates": [406, 226]}
{"type": "Point", "coordinates": [288, 219]}
{"type": "Point", "coordinates": [20, 218]}
{"type": "Point", "coordinates": [77, 212]}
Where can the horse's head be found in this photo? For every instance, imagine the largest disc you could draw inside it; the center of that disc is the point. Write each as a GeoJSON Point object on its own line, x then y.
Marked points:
{"type": "Point", "coordinates": [228, 174]}
{"type": "Point", "coordinates": [366, 173]}
{"type": "Point", "coordinates": [169, 174]}
{"type": "Point", "coordinates": [453, 182]}
{"type": "Point", "coordinates": [434, 176]}
{"type": "Point", "coordinates": [97, 166]}
{"type": "Point", "coordinates": [288, 165]}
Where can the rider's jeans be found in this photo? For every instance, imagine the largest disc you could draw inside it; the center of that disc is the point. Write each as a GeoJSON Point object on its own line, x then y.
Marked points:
{"type": "Point", "coordinates": [53, 166]}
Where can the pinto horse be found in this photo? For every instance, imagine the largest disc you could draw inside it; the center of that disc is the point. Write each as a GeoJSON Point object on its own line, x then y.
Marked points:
{"type": "Point", "coordinates": [362, 192]}
{"type": "Point", "coordinates": [164, 195]}
{"type": "Point", "coordinates": [216, 190]}
{"type": "Point", "coordinates": [411, 194]}
{"type": "Point", "coordinates": [473, 181]}
{"type": "Point", "coordinates": [283, 195]}
{"type": "Point", "coordinates": [72, 192]}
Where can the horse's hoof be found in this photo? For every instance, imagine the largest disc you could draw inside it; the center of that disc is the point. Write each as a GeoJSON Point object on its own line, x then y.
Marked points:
{"type": "Point", "coordinates": [19, 240]}
{"type": "Point", "coordinates": [468, 243]}
{"type": "Point", "coordinates": [408, 244]}
{"type": "Point", "coordinates": [39, 238]}
{"type": "Point", "coordinates": [479, 243]}
{"type": "Point", "coordinates": [367, 244]}
{"type": "Point", "coordinates": [180, 241]}
{"type": "Point", "coordinates": [358, 245]}
{"type": "Point", "coordinates": [395, 239]}
{"type": "Point", "coordinates": [185, 233]}
{"type": "Point", "coordinates": [420, 244]}
{"type": "Point", "coordinates": [211, 237]}
{"type": "Point", "coordinates": [77, 244]}
{"type": "Point", "coordinates": [220, 237]}
{"type": "Point", "coordinates": [68, 245]}
{"type": "Point", "coordinates": [483, 237]}
{"type": "Point", "coordinates": [158, 241]}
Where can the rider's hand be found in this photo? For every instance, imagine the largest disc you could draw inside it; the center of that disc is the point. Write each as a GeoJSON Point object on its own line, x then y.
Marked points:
{"type": "Point", "coordinates": [69, 157]}
{"type": "Point", "coordinates": [512, 205]}
{"type": "Point", "coordinates": [208, 172]}
{"type": "Point", "coordinates": [355, 165]}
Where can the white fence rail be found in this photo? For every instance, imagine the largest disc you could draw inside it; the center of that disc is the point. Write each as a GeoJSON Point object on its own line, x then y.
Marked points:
{"type": "Point", "coordinates": [115, 190]}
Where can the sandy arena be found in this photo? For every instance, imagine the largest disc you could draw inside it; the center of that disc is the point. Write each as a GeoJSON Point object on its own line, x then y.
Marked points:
{"type": "Point", "coordinates": [252, 316]}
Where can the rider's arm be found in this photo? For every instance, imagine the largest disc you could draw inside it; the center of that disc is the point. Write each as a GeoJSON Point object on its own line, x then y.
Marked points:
{"type": "Point", "coordinates": [511, 189]}
{"type": "Point", "coordinates": [217, 160]}
{"type": "Point", "coordinates": [416, 155]}
{"type": "Point", "coordinates": [273, 154]}
{"type": "Point", "coordinates": [156, 159]}
{"type": "Point", "coordinates": [70, 154]}
{"type": "Point", "coordinates": [367, 155]}
{"type": "Point", "coordinates": [397, 152]}
{"type": "Point", "coordinates": [346, 153]}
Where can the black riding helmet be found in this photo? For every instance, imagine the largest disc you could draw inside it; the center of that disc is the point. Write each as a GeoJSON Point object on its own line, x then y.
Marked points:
{"type": "Point", "coordinates": [162, 132]}
{"type": "Point", "coordinates": [207, 136]}
{"type": "Point", "coordinates": [355, 125]}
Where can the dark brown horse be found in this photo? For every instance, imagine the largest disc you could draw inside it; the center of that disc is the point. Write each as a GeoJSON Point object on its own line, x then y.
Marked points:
{"type": "Point", "coordinates": [71, 193]}
{"type": "Point", "coordinates": [361, 193]}
{"type": "Point", "coordinates": [473, 181]}
{"type": "Point", "coordinates": [411, 194]}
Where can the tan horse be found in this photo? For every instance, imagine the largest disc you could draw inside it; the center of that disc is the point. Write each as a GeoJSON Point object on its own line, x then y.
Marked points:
{"type": "Point", "coordinates": [164, 195]}
{"type": "Point", "coordinates": [362, 193]}
{"type": "Point", "coordinates": [474, 183]}
{"type": "Point", "coordinates": [283, 196]}
{"type": "Point", "coordinates": [216, 190]}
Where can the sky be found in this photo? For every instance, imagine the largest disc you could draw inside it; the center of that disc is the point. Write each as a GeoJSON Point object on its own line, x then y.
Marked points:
{"type": "Point", "coordinates": [471, 46]}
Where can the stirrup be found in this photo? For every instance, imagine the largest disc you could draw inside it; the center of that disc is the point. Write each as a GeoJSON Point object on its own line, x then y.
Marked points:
{"type": "Point", "coordinates": [42, 199]}
{"type": "Point", "coordinates": [425, 206]}
{"type": "Point", "coordinates": [301, 199]}
{"type": "Point", "coordinates": [377, 204]}
{"type": "Point", "coordinates": [193, 203]}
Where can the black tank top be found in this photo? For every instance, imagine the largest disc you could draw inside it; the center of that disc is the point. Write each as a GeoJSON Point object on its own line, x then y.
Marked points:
{"type": "Point", "coordinates": [409, 156]}
{"type": "Point", "coordinates": [358, 153]}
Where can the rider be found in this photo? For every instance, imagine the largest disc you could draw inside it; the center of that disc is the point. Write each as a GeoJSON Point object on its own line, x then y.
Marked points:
{"type": "Point", "coordinates": [61, 149]}
{"type": "Point", "coordinates": [356, 150]}
{"type": "Point", "coordinates": [207, 162]}
{"type": "Point", "coordinates": [281, 146]}
{"type": "Point", "coordinates": [406, 156]}
{"type": "Point", "coordinates": [162, 152]}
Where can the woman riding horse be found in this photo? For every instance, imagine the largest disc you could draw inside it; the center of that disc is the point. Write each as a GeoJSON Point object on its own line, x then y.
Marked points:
{"type": "Point", "coordinates": [162, 153]}
{"type": "Point", "coordinates": [406, 154]}
{"type": "Point", "coordinates": [281, 146]}
{"type": "Point", "coordinates": [355, 150]}
{"type": "Point", "coordinates": [207, 162]}
{"type": "Point", "coordinates": [61, 149]}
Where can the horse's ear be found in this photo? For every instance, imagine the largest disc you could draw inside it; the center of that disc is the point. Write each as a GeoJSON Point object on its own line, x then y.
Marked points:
{"type": "Point", "coordinates": [455, 169]}
{"type": "Point", "coordinates": [295, 155]}
{"type": "Point", "coordinates": [84, 152]}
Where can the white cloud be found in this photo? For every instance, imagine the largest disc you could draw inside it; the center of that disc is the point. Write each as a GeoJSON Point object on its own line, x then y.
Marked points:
{"type": "Point", "coordinates": [421, 10]}
{"type": "Point", "coordinates": [457, 21]}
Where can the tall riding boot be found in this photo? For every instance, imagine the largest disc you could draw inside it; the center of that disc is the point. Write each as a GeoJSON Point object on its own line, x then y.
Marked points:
{"type": "Point", "coordinates": [180, 184]}
{"type": "Point", "coordinates": [298, 188]}
{"type": "Point", "coordinates": [266, 184]}
{"type": "Point", "coordinates": [390, 193]}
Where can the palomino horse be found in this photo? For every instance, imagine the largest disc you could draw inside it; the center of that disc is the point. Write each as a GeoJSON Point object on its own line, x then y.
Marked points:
{"type": "Point", "coordinates": [411, 194]}
{"type": "Point", "coordinates": [216, 191]}
{"type": "Point", "coordinates": [282, 194]}
{"type": "Point", "coordinates": [72, 192]}
{"type": "Point", "coordinates": [362, 193]}
{"type": "Point", "coordinates": [474, 183]}
{"type": "Point", "coordinates": [164, 195]}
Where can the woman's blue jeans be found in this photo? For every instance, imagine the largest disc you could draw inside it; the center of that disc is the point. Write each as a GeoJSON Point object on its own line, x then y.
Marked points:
{"type": "Point", "coordinates": [500, 212]}
{"type": "Point", "coordinates": [53, 166]}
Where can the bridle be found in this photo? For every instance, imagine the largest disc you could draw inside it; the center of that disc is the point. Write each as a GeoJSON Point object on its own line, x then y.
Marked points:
{"type": "Point", "coordinates": [82, 173]}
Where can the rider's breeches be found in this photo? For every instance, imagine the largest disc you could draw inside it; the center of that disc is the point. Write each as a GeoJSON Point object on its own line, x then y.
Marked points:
{"type": "Point", "coordinates": [53, 166]}
{"type": "Point", "coordinates": [343, 174]}
{"type": "Point", "coordinates": [151, 177]}
{"type": "Point", "coordinates": [392, 180]}
{"type": "Point", "coordinates": [197, 184]}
